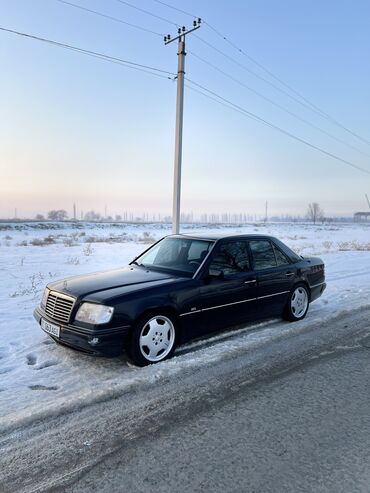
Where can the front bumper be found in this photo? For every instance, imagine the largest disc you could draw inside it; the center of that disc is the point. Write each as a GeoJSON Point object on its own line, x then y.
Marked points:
{"type": "Point", "coordinates": [101, 342]}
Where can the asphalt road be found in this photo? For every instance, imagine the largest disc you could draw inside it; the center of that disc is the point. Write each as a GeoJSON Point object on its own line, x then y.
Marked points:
{"type": "Point", "coordinates": [308, 431]}
{"type": "Point", "coordinates": [291, 416]}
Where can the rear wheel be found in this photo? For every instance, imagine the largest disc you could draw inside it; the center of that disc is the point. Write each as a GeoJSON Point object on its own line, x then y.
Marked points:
{"type": "Point", "coordinates": [297, 304]}
{"type": "Point", "coordinates": [153, 339]}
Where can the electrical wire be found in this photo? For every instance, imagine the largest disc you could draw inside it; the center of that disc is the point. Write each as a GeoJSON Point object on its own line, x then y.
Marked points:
{"type": "Point", "coordinates": [128, 4]}
{"type": "Point", "coordinates": [237, 81]}
{"type": "Point", "coordinates": [106, 16]}
{"type": "Point", "coordinates": [255, 117]}
{"type": "Point", "coordinates": [176, 9]}
{"type": "Point", "coordinates": [303, 100]}
{"type": "Point", "coordinates": [210, 45]}
{"type": "Point", "coordinates": [127, 63]}
{"type": "Point", "coordinates": [314, 107]}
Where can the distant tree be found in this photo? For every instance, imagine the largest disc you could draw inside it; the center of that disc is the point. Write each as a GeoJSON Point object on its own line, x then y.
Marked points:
{"type": "Point", "coordinates": [118, 218]}
{"type": "Point", "coordinates": [57, 215]}
{"type": "Point", "coordinates": [314, 212]}
{"type": "Point", "coordinates": [39, 217]}
{"type": "Point", "coordinates": [92, 216]}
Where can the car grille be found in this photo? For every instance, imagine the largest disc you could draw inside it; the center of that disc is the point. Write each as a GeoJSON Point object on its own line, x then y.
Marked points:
{"type": "Point", "coordinates": [59, 306]}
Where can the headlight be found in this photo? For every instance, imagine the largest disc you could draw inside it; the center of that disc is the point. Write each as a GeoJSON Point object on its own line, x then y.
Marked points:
{"type": "Point", "coordinates": [44, 297]}
{"type": "Point", "coordinates": [94, 314]}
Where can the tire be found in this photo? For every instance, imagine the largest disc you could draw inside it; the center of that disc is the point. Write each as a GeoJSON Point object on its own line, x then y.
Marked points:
{"type": "Point", "coordinates": [297, 304]}
{"type": "Point", "coordinates": [154, 339]}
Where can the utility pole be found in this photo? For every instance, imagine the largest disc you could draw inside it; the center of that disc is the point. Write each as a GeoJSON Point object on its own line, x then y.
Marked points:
{"type": "Point", "coordinates": [266, 206]}
{"type": "Point", "coordinates": [181, 34]}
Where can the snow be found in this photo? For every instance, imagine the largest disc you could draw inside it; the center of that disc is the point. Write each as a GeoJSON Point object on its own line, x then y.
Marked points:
{"type": "Point", "coordinates": [39, 378]}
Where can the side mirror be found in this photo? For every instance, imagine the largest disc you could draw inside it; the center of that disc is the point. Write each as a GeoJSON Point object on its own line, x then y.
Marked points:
{"type": "Point", "coordinates": [216, 274]}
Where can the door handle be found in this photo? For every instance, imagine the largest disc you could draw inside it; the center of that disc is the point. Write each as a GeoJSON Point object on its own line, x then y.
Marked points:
{"type": "Point", "coordinates": [290, 274]}
{"type": "Point", "coordinates": [250, 282]}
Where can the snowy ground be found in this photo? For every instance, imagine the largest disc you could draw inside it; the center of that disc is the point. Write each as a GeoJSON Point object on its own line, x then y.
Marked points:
{"type": "Point", "coordinates": [39, 378]}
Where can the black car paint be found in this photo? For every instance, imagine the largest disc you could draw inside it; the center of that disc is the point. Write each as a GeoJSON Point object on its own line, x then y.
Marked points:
{"type": "Point", "coordinates": [200, 303]}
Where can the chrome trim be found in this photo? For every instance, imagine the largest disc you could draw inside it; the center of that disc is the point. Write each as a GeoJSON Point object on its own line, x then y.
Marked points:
{"type": "Point", "coordinates": [234, 303]}
{"type": "Point", "coordinates": [269, 295]}
{"type": "Point", "coordinates": [228, 304]}
{"type": "Point", "coordinates": [189, 313]}
{"type": "Point", "coordinates": [61, 295]}
{"type": "Point", "coordinates": [249, 282]}
{"type": "Point", "coordinates": [316, 285]}
{"type": "Point", "coordinates": [218, 306]}
{"type": "Point", "coordinates": [206, 257]}
{"type": "Point", "coordinates": [59, 306]}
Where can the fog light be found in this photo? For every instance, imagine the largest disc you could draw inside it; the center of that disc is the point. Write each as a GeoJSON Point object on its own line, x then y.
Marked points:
{"type": "Point", "coordinates": [94, 341]}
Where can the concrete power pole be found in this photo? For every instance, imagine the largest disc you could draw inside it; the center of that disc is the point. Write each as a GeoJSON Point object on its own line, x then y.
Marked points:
{"type": "Point", "coordinates": [182, 33]}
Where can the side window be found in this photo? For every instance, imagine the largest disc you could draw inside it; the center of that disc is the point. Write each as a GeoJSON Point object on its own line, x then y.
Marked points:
{"type": "Point", "coordinates": [232, 258]}
{"type": "Point", "coordinates": [281, 258]}
{"type": "Point", "coordinates": [263, 254]}
{"type": "Point", "coordinates": [198, 251]}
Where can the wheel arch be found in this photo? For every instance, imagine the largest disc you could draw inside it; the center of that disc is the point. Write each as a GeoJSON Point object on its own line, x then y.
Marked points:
{"type": "Point", "coordinates": [305, 283]}
{"type": "Point", "coordinates": [165, 309]}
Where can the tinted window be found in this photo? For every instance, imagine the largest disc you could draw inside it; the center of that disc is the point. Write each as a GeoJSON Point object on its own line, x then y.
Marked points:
{"type": "Point", "coordinates": [281, 259]}
{"type": "Point", "coordinates": [179, 254]}
{"type": "Point", "coordinates": [232, 258]}
{"type": "Point", "coordinates": [263, 254]}
{"type": "Point", "coordinates": [198, 250]}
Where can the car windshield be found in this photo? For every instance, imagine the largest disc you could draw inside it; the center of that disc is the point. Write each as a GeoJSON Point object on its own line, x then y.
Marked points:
{"type": "Point", "coordinates": [183, 255]}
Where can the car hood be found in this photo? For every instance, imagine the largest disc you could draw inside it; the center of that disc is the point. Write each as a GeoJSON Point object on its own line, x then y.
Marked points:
{"type": "Point", "coordinates": [84, 285]}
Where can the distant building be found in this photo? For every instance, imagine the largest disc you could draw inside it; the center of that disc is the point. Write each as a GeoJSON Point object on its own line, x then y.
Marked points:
{"type": "Point", "coordinates": [361, 216]}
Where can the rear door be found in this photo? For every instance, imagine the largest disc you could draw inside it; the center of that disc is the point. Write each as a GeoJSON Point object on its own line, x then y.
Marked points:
{"type": "Point", "coordinates": [275, 275]}
{"type": "Point", "coordinates": [229, 300]}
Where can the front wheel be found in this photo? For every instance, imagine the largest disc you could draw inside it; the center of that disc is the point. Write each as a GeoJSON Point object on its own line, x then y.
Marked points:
{"type": "Point", "coordinates": [297, 304]}
{"type": "Point", "coordinates": [153, 339]}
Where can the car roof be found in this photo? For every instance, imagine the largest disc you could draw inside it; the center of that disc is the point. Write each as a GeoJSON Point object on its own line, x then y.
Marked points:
{"type": "Point", "coordinates": [220, 236]}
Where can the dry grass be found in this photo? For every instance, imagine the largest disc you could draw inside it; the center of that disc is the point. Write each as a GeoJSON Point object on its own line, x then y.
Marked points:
{"type": "Point", "coordinates": [354, 245]}
{"type": "Point", "coordinates": [48, 240]}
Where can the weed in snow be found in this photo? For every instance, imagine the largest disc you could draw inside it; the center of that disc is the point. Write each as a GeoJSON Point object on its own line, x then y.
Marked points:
{"type": "Point", "coordinates": [88, 250]}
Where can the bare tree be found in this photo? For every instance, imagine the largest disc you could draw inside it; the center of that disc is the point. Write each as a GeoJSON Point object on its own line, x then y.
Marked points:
{"type": "Point", "coordinates": [59, 215]}
{"type": "Point", "coordinates": [39, 217]}
{"type": "Point", "coordinates": [314, 212]}
{"type": "Point", "coordinates": [92, 216]}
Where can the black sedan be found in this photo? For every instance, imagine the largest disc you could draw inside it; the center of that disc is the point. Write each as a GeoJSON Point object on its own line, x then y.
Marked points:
{"type": "Point", "coordinates": [182, 287]}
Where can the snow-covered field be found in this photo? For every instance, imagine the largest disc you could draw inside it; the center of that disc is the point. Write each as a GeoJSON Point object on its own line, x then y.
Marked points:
{"type": "Point", "coordinates": [39, 378]}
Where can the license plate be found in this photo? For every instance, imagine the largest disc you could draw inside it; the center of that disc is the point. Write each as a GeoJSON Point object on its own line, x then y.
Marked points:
{"type": "Point", "coordinates": [52, 329]}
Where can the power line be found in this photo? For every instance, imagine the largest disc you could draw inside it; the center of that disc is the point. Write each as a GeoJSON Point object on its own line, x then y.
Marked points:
{"type": "Point", "coordinates": [128, 4]}
{"type": "Point", "coordinates": [127, 63]}
{"type": "Point", "coordinates": [313, 107]}
{"type": "Point", "coordinates": [303, 100]}
{"type": "Point", "coordinates": [106, 16]}
{"type": "Point", "coordinates": [226, 74]}
{"type": "Point", "coordinates": [176, 8]}
{"type": "Point", "coordinates": [210, 45]}
{"type": "Point", "coordinates": [252, 115]}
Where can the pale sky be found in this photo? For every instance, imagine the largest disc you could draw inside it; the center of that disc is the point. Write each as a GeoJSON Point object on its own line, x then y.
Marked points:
{"type": "Point", "coordinates": [77, 129]}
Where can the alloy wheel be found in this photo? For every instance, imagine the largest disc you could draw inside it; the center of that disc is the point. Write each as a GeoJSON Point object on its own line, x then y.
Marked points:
{"type": "Point", "coordinates": [157, 338]}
